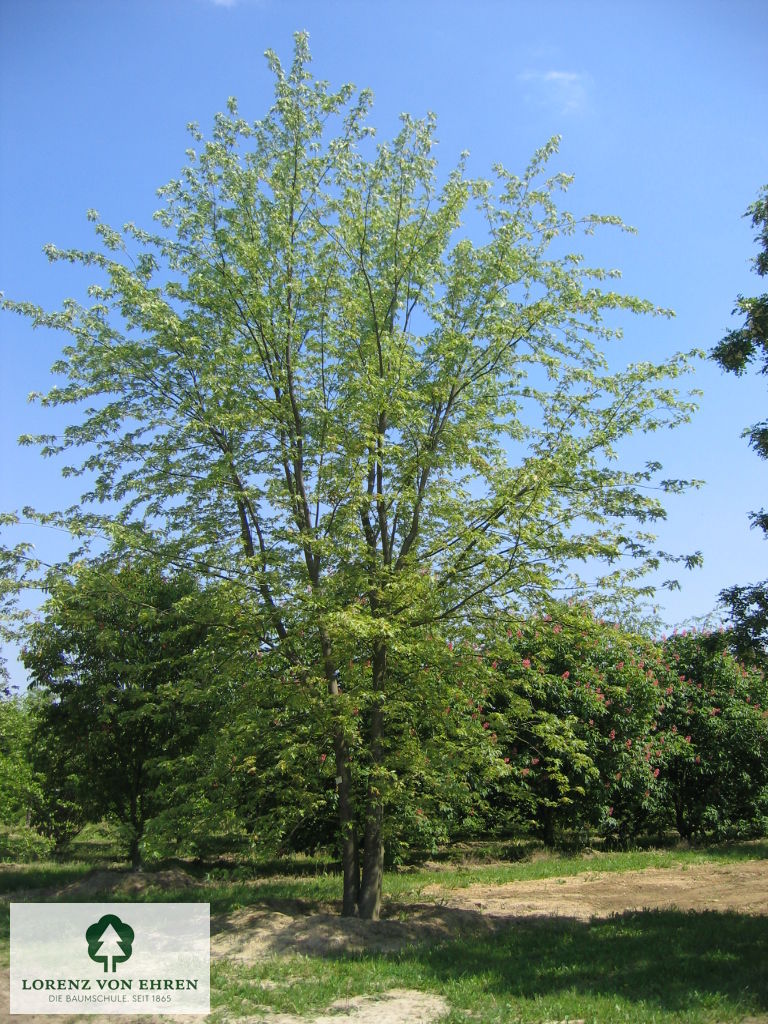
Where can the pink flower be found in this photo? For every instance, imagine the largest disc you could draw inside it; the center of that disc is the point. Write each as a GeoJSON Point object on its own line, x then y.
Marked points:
{"type": "Point", "coordinates": [323, 757]}
{"type": "Point", "coordinates": [535, 760]}
{"type": "Point", "coordinates": [557, 628]}
{"type": "Point", "coordinates": [566, 674]}
{"type": "Point", "coordinates": [486, 725]}
{"type": "Point", "coordinates": [613, 734]}
{"type": "Point", "coordinates": [655, 773]}
{"type": "Point", "coordinates": [629, 744]}
{"type": "Point", "coordinates": [526, 771]}
{"type": "Point", "coordinates": [610, 812]}
{"type": "Point", "coordinates": [687, 739]}
{"type": "Point", "coordinates": [526, 662]}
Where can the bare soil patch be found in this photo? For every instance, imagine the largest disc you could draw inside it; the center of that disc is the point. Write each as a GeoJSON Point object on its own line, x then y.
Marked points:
{"type": "Point", "coordinates": [741, 888]}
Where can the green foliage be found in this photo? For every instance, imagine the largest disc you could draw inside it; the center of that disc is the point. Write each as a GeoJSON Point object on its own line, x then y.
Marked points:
{"type": "Point", "coordinates": [715, 719]}
{"type": "Point", "coordinates": [22, 787]}
{"type": "Point", "coordinates": [739, 349]}
{"type": "Point", "coordinates": [578, 699]}
{"type": "Point", "coordinates": [117, 659]}
{"type": "Point", "coordinates": [611, 732]}
{"type": "Point", "coordinates": [749, 343]}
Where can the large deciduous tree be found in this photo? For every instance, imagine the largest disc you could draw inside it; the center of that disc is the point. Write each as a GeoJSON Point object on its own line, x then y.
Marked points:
{"type": "Point", "coordinates": [741, 348]}
{"type": "Point", "coordinates": [311, 381]}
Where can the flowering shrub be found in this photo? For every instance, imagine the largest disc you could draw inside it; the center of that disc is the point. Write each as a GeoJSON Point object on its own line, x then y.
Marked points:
{"type": "Point", "coordinates": [583, 697]}
{"type": "Point", "coordinates": [716, 762]}
{"type": "Point", "coordinates": [612, 731]}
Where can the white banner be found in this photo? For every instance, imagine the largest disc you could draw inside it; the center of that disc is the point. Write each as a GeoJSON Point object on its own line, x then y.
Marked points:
{"type": "Point", "coordinates": [110, 958]}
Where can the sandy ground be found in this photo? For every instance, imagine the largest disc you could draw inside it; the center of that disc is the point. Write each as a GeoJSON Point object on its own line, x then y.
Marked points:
{"type": "Point", "coordinates": [292, 927]}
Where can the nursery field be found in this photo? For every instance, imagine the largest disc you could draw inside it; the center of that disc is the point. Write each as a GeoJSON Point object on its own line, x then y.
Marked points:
{"type": "Point", "coordinates": [652, 936]}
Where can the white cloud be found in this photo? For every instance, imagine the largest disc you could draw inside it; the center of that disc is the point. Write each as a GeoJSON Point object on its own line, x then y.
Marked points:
{"type": "Point", "coordinates": [567, 91]}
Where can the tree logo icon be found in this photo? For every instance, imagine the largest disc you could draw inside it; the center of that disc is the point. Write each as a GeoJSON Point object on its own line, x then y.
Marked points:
{"type": "Point", "coordinates": [109, 939]}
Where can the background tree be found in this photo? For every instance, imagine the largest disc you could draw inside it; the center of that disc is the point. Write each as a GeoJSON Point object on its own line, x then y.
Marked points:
{"type": "Point", "coordinates": [714, 717]}
{"type": "Point", "coordinates": [736, 352]}
{"type": "Point", "coordinates": [21, 792]}
{"type": "Point", "coordinates": [310, 381]}
{"type": "Point", "coordinates": [118, 656]}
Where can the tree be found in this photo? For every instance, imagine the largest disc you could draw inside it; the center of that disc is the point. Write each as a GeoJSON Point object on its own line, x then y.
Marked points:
{"type": "Point", "coordinates": [21, 792]}
{"type": "Point", "coordinates": [118, 657]}
{"type": "Point", "coordinates": [714, 763]}
{"type": "Point", "coordinates": [311, 382]}
{"type": "Point", "coordinates": [736, 352]}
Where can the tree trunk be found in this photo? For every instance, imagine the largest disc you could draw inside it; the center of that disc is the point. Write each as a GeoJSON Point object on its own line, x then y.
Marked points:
{"type": "Point", "coordinates": [547, 821]}
{"type": "Point", "coordinates": [681, 822]}
{"type": "Point", "coordinates": [373, 855]}
{"type": "Point", "coordinates": [350, 858]}
{"type": "Point", "coordinates": [373, 859]}
{"type": "Point", "coordinates": [135, 852]}
{"type": "Point", "coordinates": [137, 822]}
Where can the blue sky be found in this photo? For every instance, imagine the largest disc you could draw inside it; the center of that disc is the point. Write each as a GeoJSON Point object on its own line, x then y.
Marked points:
{"type": "Point", "coordinates": [661, 108]}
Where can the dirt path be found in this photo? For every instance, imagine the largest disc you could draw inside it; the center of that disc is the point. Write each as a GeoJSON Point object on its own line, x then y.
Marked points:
{"type": "Point", "coordinates": [290, 927]}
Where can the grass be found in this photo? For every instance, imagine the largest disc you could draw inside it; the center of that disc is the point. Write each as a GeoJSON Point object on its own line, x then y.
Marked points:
{"type": "Point", "coordinates": [643, 968]}
{"type": "Point", "coordinates": [560, 866]}
{"type": "Point", "coordinates": [665, 967]}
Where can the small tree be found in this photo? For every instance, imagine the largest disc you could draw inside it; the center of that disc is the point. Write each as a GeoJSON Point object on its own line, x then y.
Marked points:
{"type": "Point", "coordinates": [116, 656]}
{"type": "Point", "coordinates": [311, 381]}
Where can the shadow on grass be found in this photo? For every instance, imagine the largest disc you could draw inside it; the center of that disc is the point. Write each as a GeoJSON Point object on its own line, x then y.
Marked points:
{"type": "Point", "coordinates": [669, 959]}
{"type": "Point", "coordinates": [14, 877]}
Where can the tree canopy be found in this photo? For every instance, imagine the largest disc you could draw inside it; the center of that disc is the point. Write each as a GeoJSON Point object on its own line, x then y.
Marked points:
{"type": "Point", "coordinates": [741, 348]}
{"type": "Point", "coordinates": [310, 381]}
{"type": "Point", "coordinates": [123, 674]}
